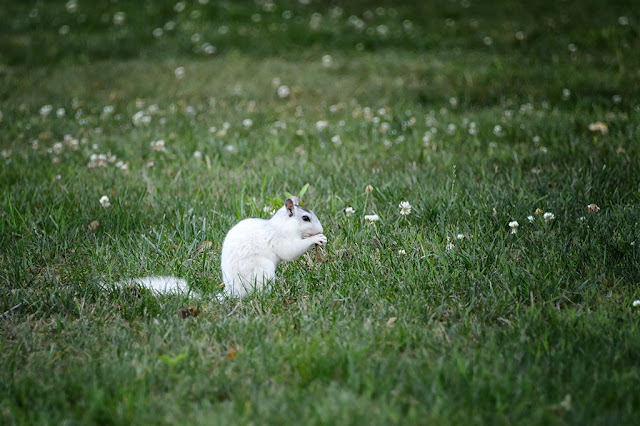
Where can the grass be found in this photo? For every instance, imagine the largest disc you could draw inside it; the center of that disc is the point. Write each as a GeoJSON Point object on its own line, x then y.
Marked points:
{"type": "Point", "coordinates": [476, 114]}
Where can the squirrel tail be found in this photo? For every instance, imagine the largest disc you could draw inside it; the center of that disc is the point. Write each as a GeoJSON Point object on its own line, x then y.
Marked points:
{"type": "Point", "coordinates": [158, 284]}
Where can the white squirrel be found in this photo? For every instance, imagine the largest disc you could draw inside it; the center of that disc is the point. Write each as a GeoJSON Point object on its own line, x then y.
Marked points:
{"type": "Point", "coordinates": [252, 250]}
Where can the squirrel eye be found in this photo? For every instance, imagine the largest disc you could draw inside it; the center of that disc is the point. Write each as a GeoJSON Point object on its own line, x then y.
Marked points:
{"type": "Point", "coordinates": [306, 218]}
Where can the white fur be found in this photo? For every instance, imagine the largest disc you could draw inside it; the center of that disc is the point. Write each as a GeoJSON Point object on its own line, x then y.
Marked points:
{"type": "Point", "coordinates": [253, 248]}
{"type": "Point", "coordinates": [159, 285]}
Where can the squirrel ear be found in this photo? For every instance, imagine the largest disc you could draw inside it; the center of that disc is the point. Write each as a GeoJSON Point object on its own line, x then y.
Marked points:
{"type": "Point", "coordinates": [289, 203]}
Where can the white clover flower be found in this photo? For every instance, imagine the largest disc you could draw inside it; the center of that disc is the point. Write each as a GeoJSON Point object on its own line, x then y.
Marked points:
{"type": "Point", "coordinates": [636, 303]}
{"type": "Point", "coordinates": [530, 219]}
{"type": "Point", "coordinates": [6, 153]}
{"type": "Point", "coordinates": [60, 112]}
{"type": "Point", "coordinates": [71, 6]}
{"type": "Point", "coordinates": [158, 32]}
{"type": "Point", "coordinates": [179, 72]}
{"type": "Point", "coordinates": [488, 41]}
{"type": "Point", "coordinates": [450, 246]}
{"type": "Point", "coordinates": [405, 208]}
{"type": "Point", "coordinates": [336, 140]}
{"type": "Point", "coordinates": [247, 122]}
{"type": "Point", "coordinates": [473, 128]}
{"type": "Point", "coordinates": [371, 218]}
{"type": "Point", "coordinates": [322, 125]}
{"type": "Point", "coordinates": [368, 189]}
{"type": "Point", "coordinates": [327, 61]}
{"type": "Point", "coordinates": [548, 217]}
{"type": "Point", "coordinates": [623, 20]}
{"type": "Point", "coordinates": [119, 18]}
{"type": "Point", "coordinates": [497, 130]}
{"type": "Point", "coordinates": [284, 91]}
{"type": "Point", "coordinates": [45, 110]}
{"type": "Point", "coordinates": [460, 236]}
{"type": "Point", "coordinates": [158, 146]}
{"type": "Point", "coordinates": [180, 6]}
{"type": "Point", "coordinates": [514, 226]}
{"type": "Point", "coordinates": [209, 49]}
{"type": "Point", "coordinates": [197, 155]}
{"type": "Point", "coordinates": [349, 211]}
{"type": "Point", "coordinates": [104, 201]}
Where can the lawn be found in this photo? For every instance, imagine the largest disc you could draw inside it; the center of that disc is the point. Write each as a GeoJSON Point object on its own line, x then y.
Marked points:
{"type": "Point", "coordinates": [133, 135]}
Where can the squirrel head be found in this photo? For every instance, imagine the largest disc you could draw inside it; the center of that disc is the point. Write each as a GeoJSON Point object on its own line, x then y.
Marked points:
{"type": "Point", "coordinates": [299, 219]}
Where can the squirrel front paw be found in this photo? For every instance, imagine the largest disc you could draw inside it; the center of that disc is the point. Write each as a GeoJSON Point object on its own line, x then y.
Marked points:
{"type": "Point", "coordinates": [319, 239]}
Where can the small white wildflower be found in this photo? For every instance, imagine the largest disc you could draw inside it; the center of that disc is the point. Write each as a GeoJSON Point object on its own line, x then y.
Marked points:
{"type": "Point", "coordinates": [530, 219]}
{"type": "Point", "coordinates": [460, 236]}
{"type": "Point", "coordinates": [327, 61]}
{"type": "Point", "coordinates": [322, 125]}
{"type": "Point", "coordinates": [372, 218]}
{"type": "Point", "coordinates": [119, 18]}
{"type": "Point", "coordinates": [179, 72]}
{"type": "Point", "coordinates": [636, 303]}
{"type": "Point", "coordinates": [158, 146]}
{"type": "Point", "coordinates": [71, 6]}
{"type": "Point", "coordinates": [150, 164]}
{"type": "Point", "coordinates": [180, 6]}
{"type": "Point", "coordinates": [6, 153]}
{"type": "Point", "coordinates": [349, 211]}
{"type": "Point", "coordinates": [548, 217]}
{"type": "Point", "coordinates": [231, 149]}
{"type": "Point", "coordinates": [60, 112]}
{"type": "Point", "coordinates": [104, 201]}
{"type": "Point", "coordinates": [402, 252]}
{"type": "Point", "coordinates": [45, 110]}
{"type": "Point", "coordinates": [368, 189]}
{"type": "Point", "coordinates": [284, 91]}
{"type": "Point", "coordinates": [405, 208]}
{"type": "Point", "coordinates": [197, 155]}
{"type": "Point", "coordinates": [488, 41]}
{"type": "Point", "coordinates": [158, 32]}
{"type": "Point", "coordinates": [209, 49]}
{"type": "Point", "coordinates": [566, 94]}
{"type": "Point", "coordinates": [336, 140]}
{"type": "Point", "coordinates": [453, 101]}
{"type": "Point", "coordinates": [247, 122]}
{"type": "Point", "coordinates": [450, 246]}
{"type": "Point", "coordinates": [514, 226]}
{"type": "Point", "coordinates": [497, 130]}
{"type": "Point", "coordinates": [623, 20]}
{"type": "Point", "coordinates": [473, 128]}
